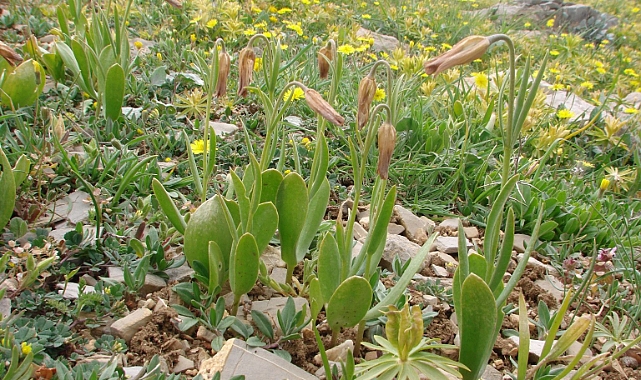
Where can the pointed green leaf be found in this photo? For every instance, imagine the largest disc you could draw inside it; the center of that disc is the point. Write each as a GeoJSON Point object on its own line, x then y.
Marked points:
{"type": "Point", "coordinates": [7, 189]}
{"type": "Point", "coordinates": [216, 266]}
{"type": "Point", "coordinates": [350, 303]}
{"type": "Point", "coordinates": [168, 206]}
{"type": "Point", "coordinates": [21, 169]}
{"type": "Point", "coordinates": [114, 92]}
{"type": "Point", "coordinates": [22, 86]}
{"type": "Point", "coordinates": [316, 212]}
{"type": "Point", "coordinates": [329, 266]}
{"type": "Point", "coordinates": [207, 224]}
{"type": "Point", "coordinates": [84, 69]}
{"type": "Point", "coordinates": [316, 299]}
{"type": "Point", "coordinates": [244, 270]}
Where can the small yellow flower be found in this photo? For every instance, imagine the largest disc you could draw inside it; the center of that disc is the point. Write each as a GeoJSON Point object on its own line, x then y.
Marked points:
{"type": "Point", "coordinates": [108, 290]}
{"type": "Point", "coordinates": [140, 131]}
{"type": "Point", "coordinates": [138, 45]}
{"type": "Point", "coordinates": [366, 17]}
{"type": "Point", "coordinates": [481, 80]}
{"type": "Point", "coordinates": [635, 10]}
{"type": "Point", "coordinates": [295, 94]}
{"type": "Point", "coordinates": [26, 348]}
{"type": "Point", "coordinates": [212, 23]}
{"type": "Point", "coordinates": [554, 53]}
{"type": "Point", "coordinates": [282, 11]}
{"type": "Point", "coordinates": [273, 19]}
{"type": "Point", "coordinates": [249, 32]}
{"type": "Point", "coordinates": [379, 95]}
{"type": "Point", "coordinates": [564, 114]}
{"type": "Point", "coordinates": [527, 25]}
{"type": "Point", "coordinates": [284, 46]}
{"type": "Point", "coordinates": [550, 23]}
{"type": "Point", "coordinates": [167, 159]}
{"type": "Point", "coordinates": [587, 85]}
{"type": "Point", "coordinates": [296, 28]}
{"type": "Point", "coordinates": [346, 49]}
{"type": "Point", "coordinates": [159, 56]}
{"type": "Point", "coordinates": [198, 146]}
{"type": "Point", "coordinates": [630, 72]}
{"type": "Point", "coordinates": [631, 111]}
{"type": "Point", "coordinates": [192, 37]}
{"type": "Point", "coordinates": [305, 141]}
{"type": "Point", "coordinates": [586, 164]}
{"type": "Point", "coordinates": [600, 70]}
{"type": "Point", "coordinates": [287, 171]}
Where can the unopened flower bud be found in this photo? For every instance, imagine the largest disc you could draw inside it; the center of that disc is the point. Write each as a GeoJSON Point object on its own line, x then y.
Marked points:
{"type": "Point", "coordinates": [224, 63]}
{"type": "Point", "coordinates": [9, 54]}
{"type": "Point", "coordinates": [59, 128]}
{"type": "Point", "coordinates": [316, 102]}
{"type": "Point", "coordinates": [366, 92]}
{"type": "Point", "coordinates": [465, 51]}
{"type": "Point", "coordinates": [246, 69]}
{"type": "Point", "coordinates": [386, 143]}
{"type": "Point", "coordinates": [325, 56]}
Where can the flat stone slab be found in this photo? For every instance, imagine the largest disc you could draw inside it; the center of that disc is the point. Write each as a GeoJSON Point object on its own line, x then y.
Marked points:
{"type": "Point", "coordinates": [152, 284]}
{"type": "Point", "coordinates": [236, 358]}
{"type": "Point", "coordinates": [73, 290]}
{"type": "Point", "coordinates": [448, 244]}
{"type": "Point", "coordinates": [129, 325]}
{"type": "Point", "coordinates": [398, 246]}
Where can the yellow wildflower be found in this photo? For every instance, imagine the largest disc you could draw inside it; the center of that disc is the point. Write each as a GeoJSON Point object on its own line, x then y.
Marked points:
{"type": "Point", "coordinates": [192, 37]}
{"type": "Point", "coordinates": [159, 56]}
{"type": "Point", "coordinates": [379, 95]}
{"type": "Point", "coordinates": [554, 53]}
{"type": "Point", "coordinates": [296, 28]}
{"type": "Point", "coordinates": [481, 80]}
{"type": "Point", "coordinates": [550, 23]}
{"type": "Point", "coordinates": [295, 94]}
{"type": "Point", "coordinates": [212, 23]}
{"type": "Point", "coordinates": [346, 49]}
{"type": "Point", "coordinates": [587, 85]}
{"type": "Point", "coordinates": [249, 32]}
{"type": "Point", "coordinates": [631, 111]}
{"type": "Point", "coordinates": [258, 63]}
{"type": "Point", "coordinates": [630, 72]}
{"type": "Point", "coordinates": [366, 16]}
{"type": "Point", "coordinates": [282, 11]}
{"type": "Point", "coordinates": [26, 348]}
{"type": "Point", "coordinates": [198, 146]}
{"type": "Point", "coordinates": [138, 45]}
{"type": "Point", "coordinates": [564, 114]}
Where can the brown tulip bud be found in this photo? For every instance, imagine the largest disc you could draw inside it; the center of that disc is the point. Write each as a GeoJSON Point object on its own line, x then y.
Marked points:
{"type": "Point", "coordinates": [465, 51]}
{"type": "Point", "coordinates": [9, 54]}
{"type": "Point", "coordinates": [246, 69]}
{"type": "Point", "coordinates": [366, 92]}
{"type": "Point", "coordinates": [175, 3]}
{"type": "Point", "coordinates": [386, 143]}
{"type": "Point", "coordinates": [316, 102]}
{"type": "Point", "coordinates": [59, 128]}
{"type": "Point", "coordinates": [325, 56]}
{"type": "Point", "coordinates": [224, 63]}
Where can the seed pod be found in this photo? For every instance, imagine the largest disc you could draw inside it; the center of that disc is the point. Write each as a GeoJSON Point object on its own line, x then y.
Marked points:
{"type": "Point", "coordinates": [465, 51]}
{"type": "Point", "coordinates": [224, 63]}
{"type": "Point", "coordinates": [386, 143]}
{"type": "Point", "coordinates": [366, 92]}
{"type": "Point", "coordinates": [316, 102]}
{"type": "Point", "coordinates": [246, 69]}
{"type": "Point", "coordinates": [325, 56]}
{"type": "Point", "coordinates": [9, 54]}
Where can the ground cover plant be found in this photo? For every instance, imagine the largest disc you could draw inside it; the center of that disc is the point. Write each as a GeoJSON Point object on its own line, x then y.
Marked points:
{"type": "Point", "coordinates": [142, 139]}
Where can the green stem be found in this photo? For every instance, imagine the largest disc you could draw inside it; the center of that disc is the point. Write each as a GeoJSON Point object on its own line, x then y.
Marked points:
{"type": "Point", "coordinates": [359, 338]}
{"type": "Point", "coordinates": [509, 138]}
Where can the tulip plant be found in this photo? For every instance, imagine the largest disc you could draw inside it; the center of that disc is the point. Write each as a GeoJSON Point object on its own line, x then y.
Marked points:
{"type": "Point", "coordinates": [479, 291]}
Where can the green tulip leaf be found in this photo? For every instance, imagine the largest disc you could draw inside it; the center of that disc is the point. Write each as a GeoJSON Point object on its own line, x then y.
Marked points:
{"type": "Point", "coordinates": [477, 318]}
{"type": "Point", "coordinates": [292, 203]}
{"type": "Point", "coordinates": [7, 189]}
{"type": "Point", "coordinates": [316, 299]}
{"type": "Point", "coordinates": [243, 271]}
{"type": "Point", "coordinates": [264, 224]}
{"type": "Point", "coordinates": [216, 266]}
{"type": "Point", "coordinates": [23, 85]}
{"type": "Point", "coordinates": [315, 214]}
{"type": "Point", "coordinates": [349, 303]}
{"type": "Point", "coordinates": [168, 206]}
{"type": "Point", "coordinates": [115, 92]}
{"type": "Point", "coordinates": [329, 266]}
{"type": "Point", "coordinates": [271, 181]}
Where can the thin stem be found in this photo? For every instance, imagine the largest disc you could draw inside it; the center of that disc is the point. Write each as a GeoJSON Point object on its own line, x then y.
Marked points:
{"type": "Point", "coordinates": [508, 131]}
{"type": "Point", "coordinates": [213, 79]}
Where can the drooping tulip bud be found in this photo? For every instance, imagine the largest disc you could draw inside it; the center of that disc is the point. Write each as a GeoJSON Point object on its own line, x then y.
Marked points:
{"type": "Point", "coordinates": [366, 92]}
{"type": "Point", "coordinates": [465, 51]}
{"type": "Point", "coordinates": [59, 128]}
{"type": "Point", "coordinates": [325, 56]}
{"type": "Point", "coordinates": [246, 69]}
{"type": "Point", "coordinates": [316, 102]}
{"type": "Point", "coordinates": [404, 329]}
{"type": "Point", "coordinates": [224, 63]}
{"type": "Point", "coordinates": [9, 54]}
{"type": "Point", "coordinates": [386, 143]}
{"type": "Point", "coordinates": [175, 3]}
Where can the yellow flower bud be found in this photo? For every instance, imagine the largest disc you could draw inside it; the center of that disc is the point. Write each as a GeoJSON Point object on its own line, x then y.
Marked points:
{"type": "Point", "coordinates": [605, 183]}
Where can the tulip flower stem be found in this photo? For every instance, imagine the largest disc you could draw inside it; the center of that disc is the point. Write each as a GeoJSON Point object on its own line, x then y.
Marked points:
{"type": "Point", "coordinates": [509, 130]}
{"type": "Point", "coordinates": [212, 80]}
